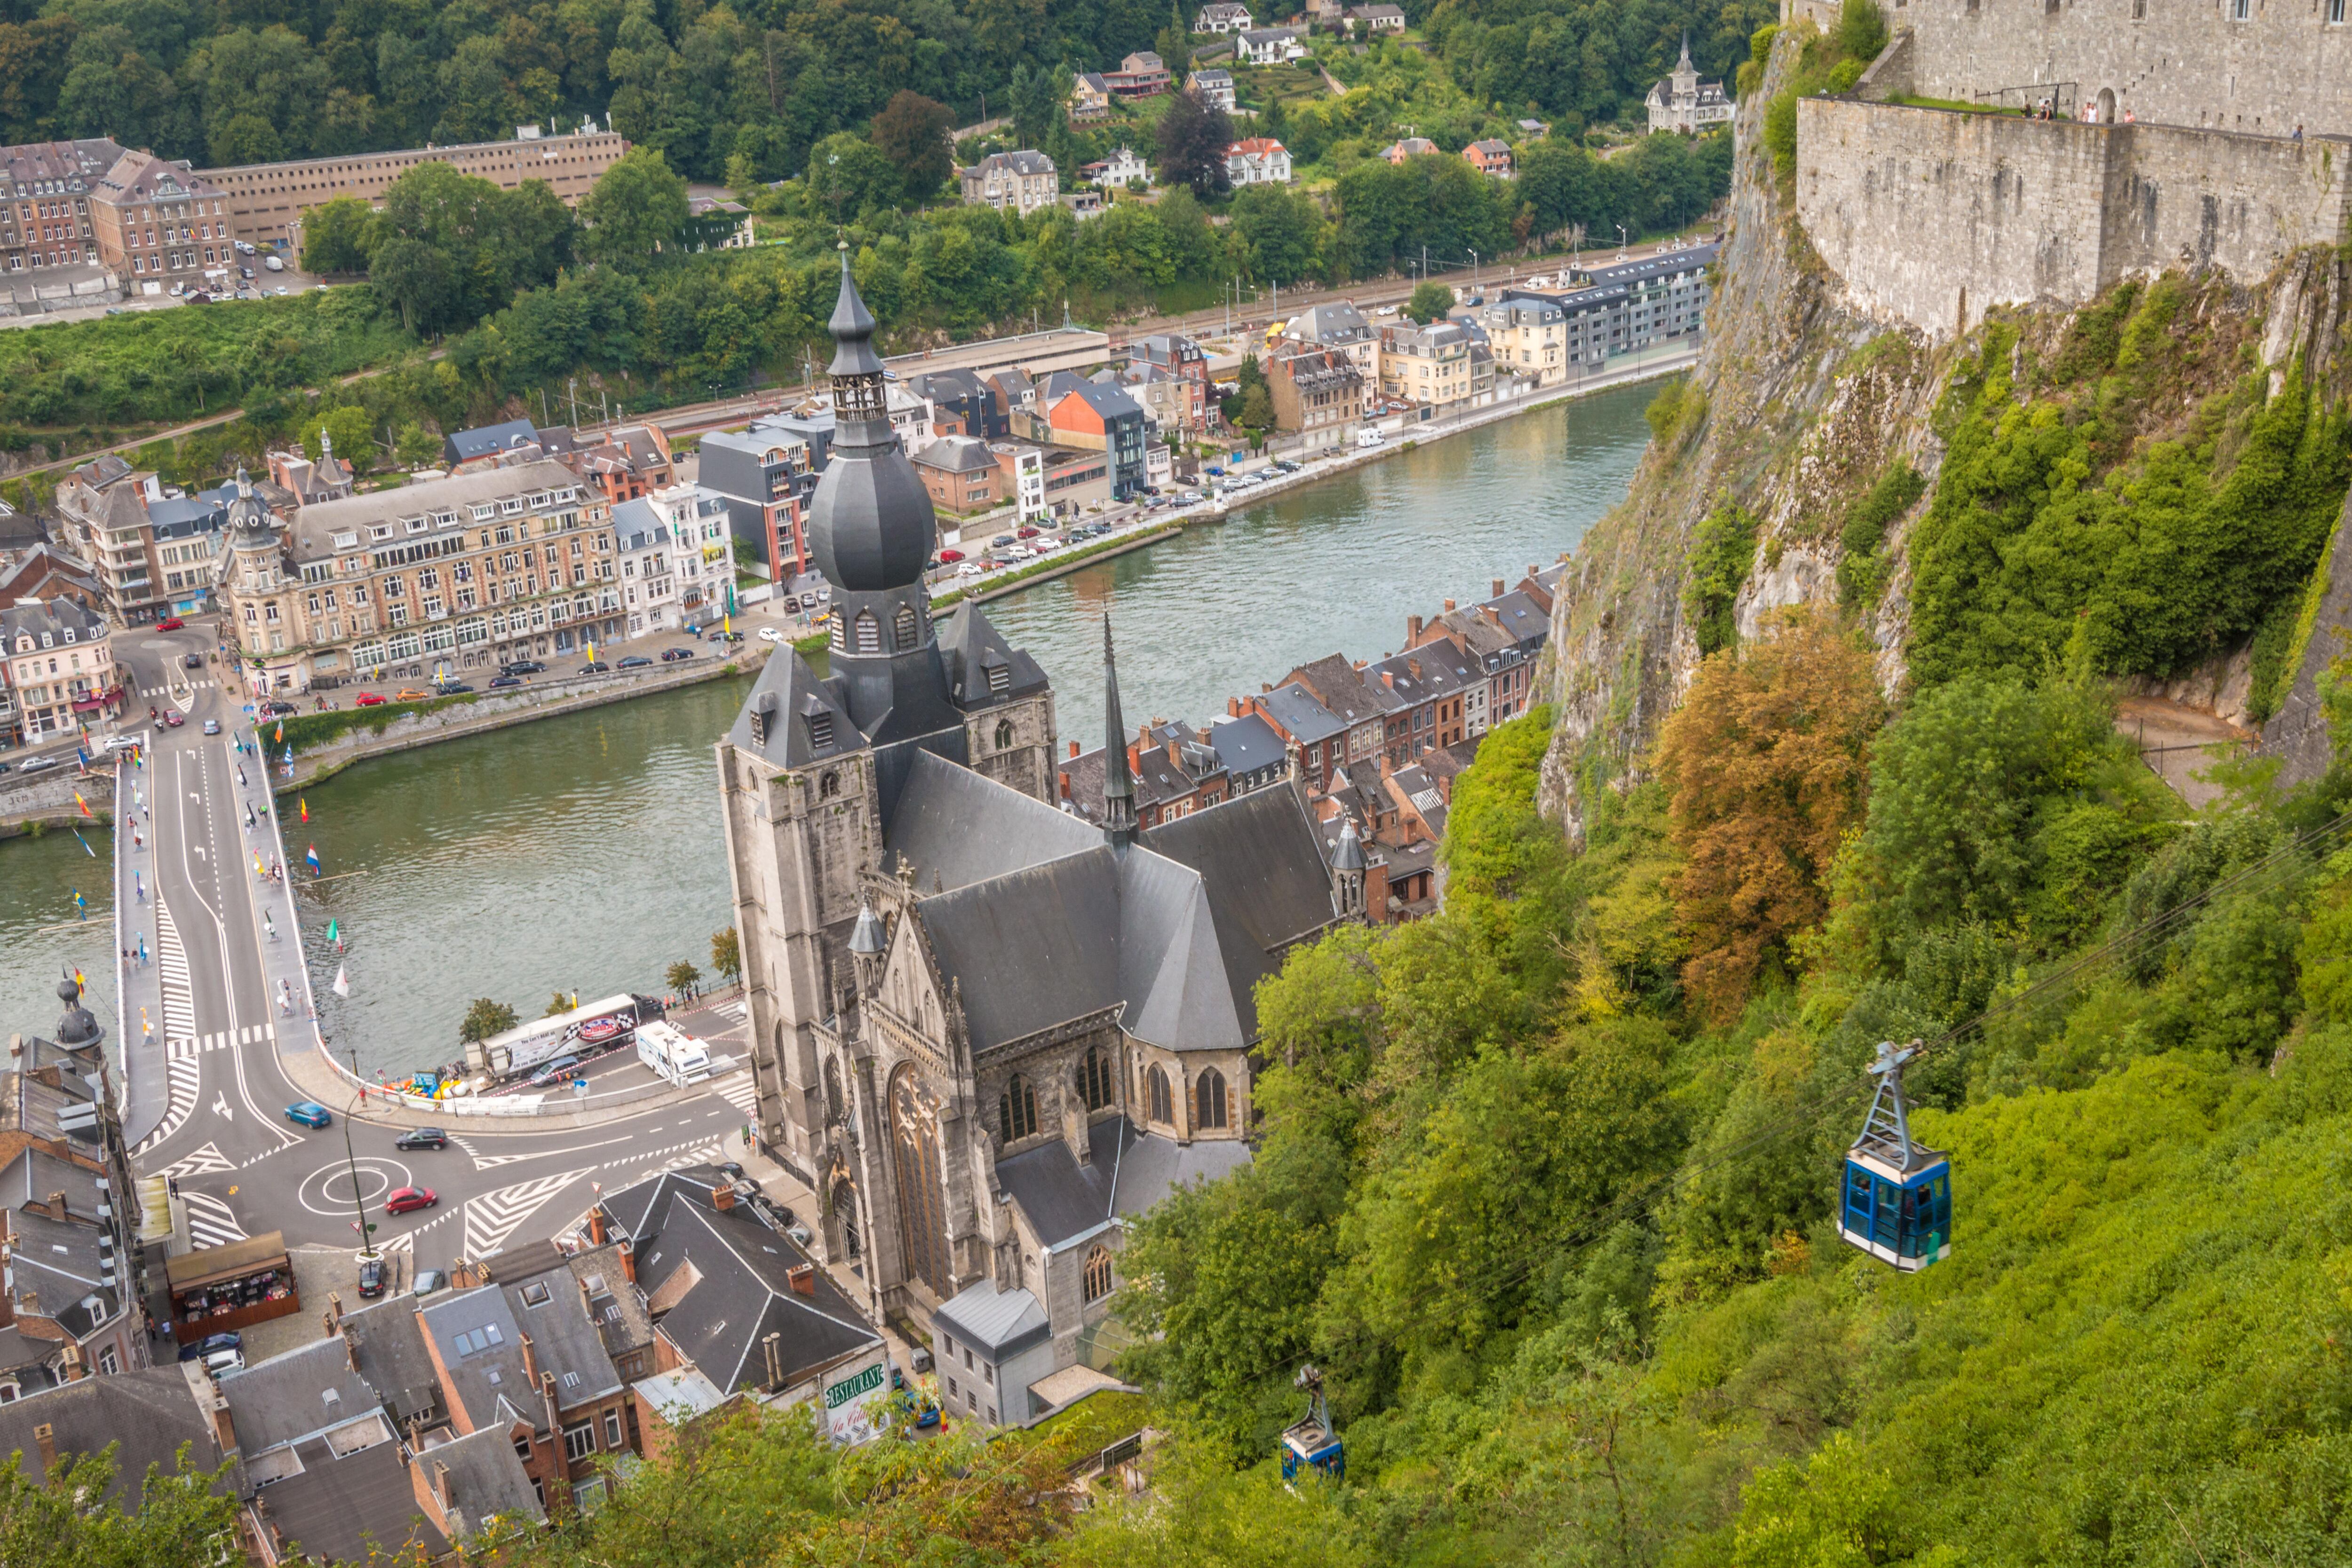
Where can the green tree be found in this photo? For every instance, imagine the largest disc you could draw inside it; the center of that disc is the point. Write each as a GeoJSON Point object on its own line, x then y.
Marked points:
{"type": "Point", "coordinates": [848, 175]}
{"type": "Point", "coordinates": [727, 954]}
{"type": "Point", "coordinates": [1281, 228]}
{"type": "Point", "coordinates": [183, 1517]}
{"type": "Point", "coordinates": [1191, 138]}
{"type": "Point", "coordinates": [416, 448]}
{"type": "Point", "coordinates": [558, 1003]}
{"type": "Point", "coordinates": [416, 280]}
{"type": "Point", "coordinates": [484, 1018]}
{"type": "Point", "coordinates": [1431, 302]}
{"type": "Point", "coordinates": [337, 235]}
{"type": "Point", "coordinates": [681, 976]}
{"type": "Point", "coordinates": [912, 132]}
{"type": "Point", "coordinates": [637, 206]}
{"type": "Point", "coordinates": [350, 429]}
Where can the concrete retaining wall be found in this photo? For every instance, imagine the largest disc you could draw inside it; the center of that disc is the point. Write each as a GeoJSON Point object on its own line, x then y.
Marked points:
{"type": "Point", "coordinates": [1930, 217]}
{"type": "Point", "coordinates": [49, 797]}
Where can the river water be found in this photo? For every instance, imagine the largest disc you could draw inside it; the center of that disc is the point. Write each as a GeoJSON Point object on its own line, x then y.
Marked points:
{"type": "Point", "coordinates": [582, 854]}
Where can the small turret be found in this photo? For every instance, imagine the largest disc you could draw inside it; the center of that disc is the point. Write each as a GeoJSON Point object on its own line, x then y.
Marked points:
{"type": "Point", "coordinates": [868, 941]}
{"type": "Point", "coordinates": [1347, 873]}
{"type": "Point", "coordinates": [1118, 782]}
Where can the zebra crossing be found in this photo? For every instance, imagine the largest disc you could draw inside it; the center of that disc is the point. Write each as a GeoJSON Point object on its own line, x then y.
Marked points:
{"type": "Point", "coordinates": [491, 1219]}
{"type": "Point", "coordinates": [169, 690]}
{"type": "Point", "coordinates": [738, 1090]}
{"type": "Point", "coordinates": [211, 1222]}
{"type": "Point", "coordinates": [172, 973]}
{"type": "Point", "coordinates": [206, 1161]}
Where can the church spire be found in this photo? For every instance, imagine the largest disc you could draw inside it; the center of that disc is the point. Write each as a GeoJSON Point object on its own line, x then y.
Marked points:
{"type": "Point", "coordinates": [861, 411]}
{"type": "Point", "coordinates": [1118, 784]}
{"type": "Point", "coordinates": [1684, 65]}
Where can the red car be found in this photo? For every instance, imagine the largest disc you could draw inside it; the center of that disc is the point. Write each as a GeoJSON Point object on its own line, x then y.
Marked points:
{"type": "Point", "coordinates": [1024, 533]}
{"type": "Point", "coordinates": [406, 1200]}
{"type": "Point", "coordinates": [172, 716]}
{"type": "Point", "coordinates": [170, 623]}
{"type": "Point", "coordinates": [950, 557]}
{"type": "Point", "coordinates": [367, 700]}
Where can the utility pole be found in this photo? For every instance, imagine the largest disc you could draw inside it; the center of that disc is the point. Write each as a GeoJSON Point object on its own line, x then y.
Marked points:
{"type": "Point", "coordinates": [350, 1164]}
{"type": "Point", "coordinates": [574, 386]}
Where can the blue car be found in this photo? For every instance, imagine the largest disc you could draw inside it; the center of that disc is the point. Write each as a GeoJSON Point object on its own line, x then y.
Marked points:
{"type": "Point", "coordinates": [308, 1113]}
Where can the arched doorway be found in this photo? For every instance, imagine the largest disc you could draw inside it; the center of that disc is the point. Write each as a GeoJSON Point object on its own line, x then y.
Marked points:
{"type": "Point", "coordinates": [915, 1162]}
{"type": "Point", "coordinates": [2106, 106]}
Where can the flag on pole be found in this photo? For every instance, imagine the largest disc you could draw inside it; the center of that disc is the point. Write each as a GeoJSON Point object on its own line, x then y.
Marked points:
{"type": "Point", "coordinates": [77, 977]}
{"type": "Point", "coordinates": [335, 934]}
{"type": "Point", "coordinates": [82, 905]}
{"type": "Point", "coordinates": [313, 858]}
{"type": "Point", "coordinates": [342, 981]}
{"type": "Point", "coordinates": [282, 730]}
{"type": "Point", "coordinates": [304, 802]}
{"type": "Point", "coordinates": [84, 804]}
{"type": "Point", "coordinates": [82, 752]}
{"type": "Point", "coordinates": [85, 844]}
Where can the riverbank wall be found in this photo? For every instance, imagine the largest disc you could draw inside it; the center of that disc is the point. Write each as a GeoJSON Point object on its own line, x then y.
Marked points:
{"type": "Point", "coordinates": [45, 800]}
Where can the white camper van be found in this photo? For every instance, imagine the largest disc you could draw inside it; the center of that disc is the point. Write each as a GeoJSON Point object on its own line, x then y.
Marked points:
{"type": "Point", "coordinates": [672, 1053]}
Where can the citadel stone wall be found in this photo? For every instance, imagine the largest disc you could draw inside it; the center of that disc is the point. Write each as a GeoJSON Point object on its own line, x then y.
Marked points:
{"type": "Point", "coordinates": [2280, 64]}
{"type": "Point", "coordinates": [1931, 216]}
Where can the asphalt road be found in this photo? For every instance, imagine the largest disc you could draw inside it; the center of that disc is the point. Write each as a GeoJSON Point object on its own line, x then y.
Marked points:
{"type": "Point", "coordinates": [230, 1010]}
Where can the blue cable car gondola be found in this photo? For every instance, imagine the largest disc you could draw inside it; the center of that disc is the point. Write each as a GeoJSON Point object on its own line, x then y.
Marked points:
{"type": "Point", "coordinates": [1897, 1198]}
{"type": "Point", "coordinates": [1312, 1445]}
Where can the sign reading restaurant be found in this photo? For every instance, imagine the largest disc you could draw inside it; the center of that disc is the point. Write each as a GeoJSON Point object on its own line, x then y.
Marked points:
{"type": "Point", "coordinates": [848, 1404]}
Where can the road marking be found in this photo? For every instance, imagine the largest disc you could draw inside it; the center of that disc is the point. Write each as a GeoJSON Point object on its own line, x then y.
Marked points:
{"type": "Point", "coordinates": [172, 971]}
{"type": "Point", "coordinates": [220, 1105]}
{"type": "Point", "coordinates": [739, 1090]}
{"type": "Point", "coordinates": [494, 1217]}
{"type": "Point", "coordinates": [205, 1161]}
{"type": "Point", "coordinates": [211, 1222]}
{"type": "Point", "coordinates": [185, 1078]}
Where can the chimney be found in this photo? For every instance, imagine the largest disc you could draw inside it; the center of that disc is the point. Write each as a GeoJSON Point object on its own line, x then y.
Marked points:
{"type": "Point", "coordinates": [1171, 751]}
{"type": "Point", "coordinates": [776, 1362]}
{"type": "Point", "coordinates": [1413, 664]}
{"type": "Point", "coordinates": [1074, 751]}
{"type": "Point", "coordinates": [803, 1280]}
{"type": "Point", "coordinates": [1449, 607]}
{"type": "Point", "coordinates": [47, 1439]}
{"type": "Point", "coordinates": [1388, 679]}
{"type": "Point", "coordinates": [441, 1488]}
{"type": "Point", "coordinates": [1134, 756]}
{"type": "Point", "coordinates": [529, 1359]}
{"type": "Point", "coordinates": [1264, 686]}
{"type": "Point", "coordinates": [1492, 615]}
{"type": "Point", "coordinates": [1066, 781]}
{"type": "Point", "coordinates": [723, 1198]}
{"type": "Point", "coordinates": [596, 1226]}
{"type": "Point", "coordinates": [351, 1347]}
{"type": "Point", "coordinates": [1533, 570]}
{"type": "Point", "coordinates": [30, 1301]}
{"type": "Point", "coordinates": [1232, 707]}
{"type": "Point", "coordinates": [1411, 630]}
{"type": "Point", "coordinates": [224, 1427]}
{"type": "Point", "coordinates": [334, 1311]}
{"type": "Point", "coordinates": [628, 1260]}
{"type": "Point", "coordinates": [1498, 589]}
{"type": "Point", "coordinates": [57, 1205]}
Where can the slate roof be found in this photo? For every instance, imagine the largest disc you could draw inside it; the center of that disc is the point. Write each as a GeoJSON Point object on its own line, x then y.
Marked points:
{"type": "Point", "coordinates": [149, 1413]}
{"type": "Point", "coordinates": [486, 1479]}
{"type": "Point", "coordinates": [742, 1293]}
{"type": "Point", "coordinates": [1246, 744]}
{"type": "Point", "coordinates": [350, 1510]}
{"type": "Point", "coordinates": [69, 1263]}
{"type": "Point", "coordinates": [296, 1396]}
{"type": "Point", "coordinates": [1267, 882]}
{"type": "Point", "coordinates": [956, 455]}
{"type": "Point", "coordinates": [545, 1301]}
{"type": "Point", "coordinates": [1002, 1322]}
{"type": "Point", "coordinates": [1300, 715]}
{"type": "Point", "coordinates": [963, 828]}
{"type": "Point", "coordinates": [1337, 685]}
{"type": "Point", "coordinates": [637, 526]}
{"type": "Point", "coordinates": [485, 1372]}
{"type": "Point", "coordinates": [1129, 1171]}
{"type": "Point", "coordinates": [390, 1347]}
{"type": "Point", "coordinates": [788, 696]}
{"type": "Point", "coordinates": [464, 446]}
{"type": "Point", "coordinates": [1107, 400]}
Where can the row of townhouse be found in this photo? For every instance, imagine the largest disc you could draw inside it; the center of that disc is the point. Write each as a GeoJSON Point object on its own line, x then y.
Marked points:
{"type": "Point", "coordinates": [1374, 742]}
{"type": "Point", "coordinates": [519, 1396]}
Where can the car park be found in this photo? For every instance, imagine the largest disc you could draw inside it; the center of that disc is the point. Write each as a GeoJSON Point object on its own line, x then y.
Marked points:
{"type": "Point", "coordinates": [310, 1113]}
{"type": "Point", "coordinates": [672, 655]}
{"type": "Point", "coordinates": [212, 1345]}
{"type": "Point", "coordinates": [554, 1070]}
{"type": "Point", "coordinates": [408, 1200]}
{"type": "Point", "coordinates": [212, 726]}
{"type": "Point", "coordinates": [367, 700]}
{"type": "Point", "coordinates": [499, 682]}
{"type": "Point", "coordinates": [635, 661]}
{"type": "Point", "coordinates": [372, 1275]}
{"type": "Point", "coordinates": [422, 1137]}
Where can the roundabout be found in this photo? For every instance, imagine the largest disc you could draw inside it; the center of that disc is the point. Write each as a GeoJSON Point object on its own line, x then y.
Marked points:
{"type": "Point", "coordinates": [332, 1192]}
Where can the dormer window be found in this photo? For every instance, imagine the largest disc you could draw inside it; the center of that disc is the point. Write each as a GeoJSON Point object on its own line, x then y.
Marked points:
{"type": "Point", "coordinates": [379, 530]}
{"type": "Point", "coordinates": [510, 506]}
{"type": "Point", "coordinates": [484, 511]}
{"type": "Point", "coordinates": [820, 728]}
{"type": "Point", "coordinates": [346, 541]}
{"type": "Point", "coordinates": [418, 524]}
{"type": "Point", "coordinates": [999, 679]}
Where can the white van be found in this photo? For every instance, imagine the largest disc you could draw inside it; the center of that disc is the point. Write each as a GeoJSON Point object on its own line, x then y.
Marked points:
{"type": "Point", "coordinates": [274, 263]}
{"type": "Point", "coordinates": [1369, 437]}
{"type": "Point", "coordinates": [674, 1055]}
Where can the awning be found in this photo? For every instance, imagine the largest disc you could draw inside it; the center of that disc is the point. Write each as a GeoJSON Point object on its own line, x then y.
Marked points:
{"type": "Point", "coordinates": [89, 704]}
{"type": "Point", "coordinates": [218, 1265]}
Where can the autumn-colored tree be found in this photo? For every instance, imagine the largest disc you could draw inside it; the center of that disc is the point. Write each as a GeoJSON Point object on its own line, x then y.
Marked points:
{"type": "Point", "coordinates": [1765, 764]}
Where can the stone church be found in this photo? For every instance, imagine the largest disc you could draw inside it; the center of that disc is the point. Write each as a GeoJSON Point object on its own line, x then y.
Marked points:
{"type": "Point", "coordinates": [985, 1028]}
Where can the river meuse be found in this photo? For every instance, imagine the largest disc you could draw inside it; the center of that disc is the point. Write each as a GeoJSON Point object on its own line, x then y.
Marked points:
{"type": "Point", "coordinates": [583, 853]}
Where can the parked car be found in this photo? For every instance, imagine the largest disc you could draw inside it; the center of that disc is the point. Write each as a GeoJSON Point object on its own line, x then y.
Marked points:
{"type": "Point", "coordinates": [950, 557]}
{"type": "Point", "coordinates": [554, 1070]}
{"type": "Point", "coordinates": [408, 1200]}
{"type": "Point", "coordinates": [411, 694]}
{"type": "Point", "coordinates": [422, 1137]}
{"type": "Point", "coordinates": [723, 636]}
{"type": "Point", "coordinates": [595, 666]}
{"type": "Point", "coordinates": [274, 264]}
{"type": "Point", "coordinates": [450, 687]}
{"type": "Point", "coordinates": [427, 1281]}
{"type": "Point", "coordinates": [310, 1113]}
{"type": "Point", "coordinates": [635, 661]}
{"type": "Point", "coordinates": [672, 655]}
{"type": "Point", "coordinates": [370, 1275]}
{"type": "Point", "coordinates": [38, 764]}
{"type": "Point", "coordinates": [280, 710]}
{"type": "Point", "coordinates": [770, 634]}
{"type": "Point", "coordinates": [523, 666]}
{"type": "Point", "coordinates": [212, 726]}
{"type": "Point", "coordinates": [173, 717]}
{"type": "Point", "coordinates": [1000, 541]}
{"type": "Point", "coordinates": [1024, 532]}
{"type": "Point", "coordinates": [499, 682]}
{"type": "Point", "coordinates": [367, 700]}
{"type": "Point", "coordinates": [220, 1363]}
{"type": "Point", "coordinates": [170, 623]}
{"type": "Point", "coordinates": [192, 661]}
{"type": "Point", "coordinates": [210, 1345]}
{"type": "Point", "coordinates": [791, 604]}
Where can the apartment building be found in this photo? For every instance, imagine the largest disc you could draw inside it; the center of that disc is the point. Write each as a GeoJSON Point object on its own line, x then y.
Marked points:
{"type": "Point", "coordinates": [160, 223]}
{"type": "Point", "coordinates": [1443, 367]}
{"type": "Point", "coordinates": [1213, 88]}
{"type": "Point", "coordinates": [1529, 339]}
{"type": "Point", "coordinates": [1317, 392]}
{"type": "Point", "coordinates": [1340, 327]}
{"type": "Point", "coordinates": [1630, 305]}
{"type": "Point", "coordinates": [45, 194]}
{"type": "Point", "coordinates": [458, 572]}
{"type": "Point", "coordinates": [1026, 181]}
{"type": "Point", "coordinates": [266, 201]}
{"type": "Point", "coordinates": [765, 475]}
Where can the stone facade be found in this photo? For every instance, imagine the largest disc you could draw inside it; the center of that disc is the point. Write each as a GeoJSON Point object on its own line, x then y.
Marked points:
{"type": "Point", "coordinates": [1931, 216]}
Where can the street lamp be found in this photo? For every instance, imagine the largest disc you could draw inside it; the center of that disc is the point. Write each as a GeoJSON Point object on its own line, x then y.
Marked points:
{"type": "Point", "coordinates": [350, 1164]}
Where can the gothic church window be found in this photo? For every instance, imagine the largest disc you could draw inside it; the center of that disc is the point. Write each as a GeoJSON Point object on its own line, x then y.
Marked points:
{"type": "Point", "coordinates": [1096, 1283]}
{"type": "Point", "coordinates": [903, 627]}
{"type": "Point", "coordinates": [1209, 1090]}
{"type": "Point", "coordinates": [1094, 1079]}
{"type": "Point", "coordinates": [1004, 735]}
{"type": "Point", "coordinates": [915, 1159]}
{"type": "Point", "coordinates": [828, 786]}
{"type": "Point", "coordinates": [833, 1087]}
{"type": "Point", "coordinates": [1155, 1087]}
{"type": "Point", "coordinates": [869, 633]}
{"type": "Point", "coordinates": [1016, 1110]}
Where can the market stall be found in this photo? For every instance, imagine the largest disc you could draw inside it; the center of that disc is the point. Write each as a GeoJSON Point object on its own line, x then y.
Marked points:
{"type": "Point", "coordinates": [216, 1289]}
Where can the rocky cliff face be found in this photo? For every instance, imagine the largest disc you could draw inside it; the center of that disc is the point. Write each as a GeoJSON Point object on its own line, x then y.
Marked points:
{"type": "Point", "coordinates": [1801, 403]}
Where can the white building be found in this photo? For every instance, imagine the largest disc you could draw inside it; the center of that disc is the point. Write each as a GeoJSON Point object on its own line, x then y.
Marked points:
{"type": "Point", "coordinates": [1023, 181]}
{"type": "Point", "coordinates": [1028, 469]}
{"type": "Point", "coordinates": [1122, 168]}
{"type": "Point", "coordinates": [1267, 46]}
{"type": "Point", "coordinates": [1214, 88]}
{"type": "Point", "coordinates": [650, 568]}
{"type": "Point", "coordinates": [1258, 160]}
{"type": "Point", "coordinates": [1683, 102]}
{"type": "Point", "coordinates": [697, 519]}
{"type": "Point", "coordinates": [1222, 17]}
